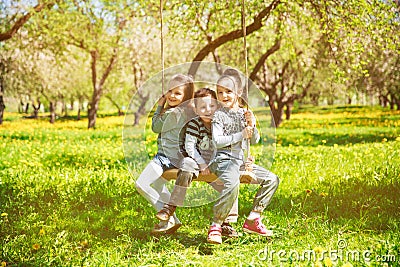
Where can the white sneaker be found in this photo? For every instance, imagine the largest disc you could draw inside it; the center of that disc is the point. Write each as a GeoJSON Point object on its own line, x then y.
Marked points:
{"type": "Point", "coordinates": [166, 227]}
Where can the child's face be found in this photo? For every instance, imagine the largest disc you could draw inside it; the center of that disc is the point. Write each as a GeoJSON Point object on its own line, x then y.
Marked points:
{"type": "Point", "coordinates": [227, 97]}
{"type": "Point", "coordinates": [175, 96]}
{"type": "Point", "coordinates": [205, 107]}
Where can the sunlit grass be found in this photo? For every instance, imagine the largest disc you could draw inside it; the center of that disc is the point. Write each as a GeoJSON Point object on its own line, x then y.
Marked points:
{"type": "Point", "coordinates": [67, 195]}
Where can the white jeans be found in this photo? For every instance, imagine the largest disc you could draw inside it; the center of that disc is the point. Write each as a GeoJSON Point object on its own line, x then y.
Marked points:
{"type": "Point", "coordinates": [152, 186]}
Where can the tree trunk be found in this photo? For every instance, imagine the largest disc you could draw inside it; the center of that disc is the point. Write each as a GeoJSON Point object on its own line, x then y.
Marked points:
{"type": "Point", "coordinates": [78, 117]}
{"type": "Point", "coordinates": [36, 110]}
{"type": "Point", "coordinates": [120, 112]}
{"type": "Point", "coordinates": [398, 104]}
{"type": "Point", "coordinates": [26, 108]}
{"type": "Point", "coordinates": [80, 104]}
{"type": "Point", "coordinates": [278, 117]}
{"type": "Point", "coordinates": [314, 99]}
{"type": "Point", "coordinates": [98, 86]}
{"type": "Point", "coordinates": [21, 107]}
{"type": "Point", "coordinates": [2, 105]}
{"type": "Point", "coordinates": [289, 109]}
{"type": "Point", "coordinates": [141, 109]}
{"type": "Point", "coordinates": [93, 107]}
{"type": "Point", "coordinates": [137, 118]}
{"type": "Point", "coordinates": [65, 109]}
{"type": "Point", "coordinates": [52, 112]}
{"type": "Point", "coordinates": [392, 102]}
{"type": "Point", "coordinates": [277, 113]}
{"type": "Point", "coordinates": [2, 108]}
{"type": "Point", "coordinates": [383, 101]}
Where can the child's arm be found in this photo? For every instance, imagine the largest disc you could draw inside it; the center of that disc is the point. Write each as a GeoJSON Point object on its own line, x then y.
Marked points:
{"type": "Point", "coordinates": [157, 121]}
{"type": "Point", "coordinates": [191, 136]}
{"type": "Point", "coordinates": [222, 140]}
{"type": "Point", "coordinates": [170, 119]}
{"type": "Point", "coordinates": [190, 147]}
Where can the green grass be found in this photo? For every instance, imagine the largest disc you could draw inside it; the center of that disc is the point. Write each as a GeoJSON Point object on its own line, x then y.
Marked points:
{"type": "Point", "coordinates": [67, 197]}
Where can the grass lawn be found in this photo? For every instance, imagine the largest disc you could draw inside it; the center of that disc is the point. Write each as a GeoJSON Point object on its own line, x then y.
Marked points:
{"type": "Point", "coordinates": [67, 196]}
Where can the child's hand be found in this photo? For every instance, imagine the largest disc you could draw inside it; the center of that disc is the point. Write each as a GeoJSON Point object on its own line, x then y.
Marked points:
{"type": "Point", "coordinates": [204, 169]}
{"type": "Point", "coordinates": [162, 100]}
{"type": "Point", "coordinates": [250, 119]}
{"type": "Point", "coordinates": [248, 132]}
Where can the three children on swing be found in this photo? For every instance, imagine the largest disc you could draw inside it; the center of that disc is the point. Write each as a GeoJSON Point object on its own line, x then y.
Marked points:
{"type": "Point", "coordinates": [228, 127]}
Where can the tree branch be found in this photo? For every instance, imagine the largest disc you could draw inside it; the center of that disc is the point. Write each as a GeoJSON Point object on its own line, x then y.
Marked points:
{"type": "Point", "coordinates": [230, 36]}
{"type": "Point", "coordinates": [264, 57]}
{"type": "Point", "coordinates": [21, 21]}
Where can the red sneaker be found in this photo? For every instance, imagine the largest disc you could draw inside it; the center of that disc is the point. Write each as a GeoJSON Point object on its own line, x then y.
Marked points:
{"type": "Point", "coordinates": [214, 235]}
{"type": "Point", "coordinates": [256, 227]}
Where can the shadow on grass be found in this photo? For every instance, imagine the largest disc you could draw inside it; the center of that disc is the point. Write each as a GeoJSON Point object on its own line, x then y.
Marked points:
{"type": "Point", "coordinates": [109, 215]}
{"type": "Point", "coordinates": [363, 204]}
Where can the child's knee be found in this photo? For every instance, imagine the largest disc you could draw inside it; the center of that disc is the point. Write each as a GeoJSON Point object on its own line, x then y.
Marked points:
{"type": "Point", "coordinates": [184, 178]}
{"type": "Point", "coordinates": [272, 180]}
{"type": "Point", "coordinates": [275, 181]}
{"type": "Point", "coordinates": [139, 186]}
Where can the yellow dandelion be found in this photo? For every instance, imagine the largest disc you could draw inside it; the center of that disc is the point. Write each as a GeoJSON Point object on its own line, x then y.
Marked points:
{"type": "Point", "coordinates": [384, 140]}
{"type": "Point", "coordinates": [347, 264]}
{"type": "Point", "coordinates": [308, 191]}
{"type": "Point", "coordinates": [4, 214]}
{"type": "Point", "coordinates": [323, 194]}
{"type": "Point", "coordinates": [42, 232]}
{"type": "Point", "coordinates": [323, 141]}
{"type": "Point", "coordinates": [84, 243]}
{"type": "Point", "coordinates": [318, 250]}
{"type": "Point", "coordinates": [36, 246]}
{"type": "Point", "coordinates": [318, 264]}
{"type": "Point", "coordinates": [328, 262]}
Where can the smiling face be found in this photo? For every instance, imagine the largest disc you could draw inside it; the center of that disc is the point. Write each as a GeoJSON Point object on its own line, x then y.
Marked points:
{"type": "Point", "coordinates": [227, 93]}
{"type": "Point", "coordinates": [205, 107]}
{"type": "Point", "coordinates": [227, 97]}
{"type": "Point", "coordinates": [175, 96]}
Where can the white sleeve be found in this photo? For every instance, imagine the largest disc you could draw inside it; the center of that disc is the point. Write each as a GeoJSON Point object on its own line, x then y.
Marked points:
{"type": "Point", "coordinates": [190, 147]}
{"type": "Point", "coordinates": [222, 140]}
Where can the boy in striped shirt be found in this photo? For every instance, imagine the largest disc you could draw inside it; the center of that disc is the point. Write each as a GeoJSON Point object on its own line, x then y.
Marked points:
{"type": "Point", "coordinates": [201, 151]}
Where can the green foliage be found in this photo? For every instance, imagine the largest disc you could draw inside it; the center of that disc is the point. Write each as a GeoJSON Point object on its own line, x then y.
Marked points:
{"type": "Point", "coordinates": [67, 198]}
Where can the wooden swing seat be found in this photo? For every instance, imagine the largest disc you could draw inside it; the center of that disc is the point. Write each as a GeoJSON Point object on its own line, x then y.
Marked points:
{"type": "Point", "coordinates": [245, 176]}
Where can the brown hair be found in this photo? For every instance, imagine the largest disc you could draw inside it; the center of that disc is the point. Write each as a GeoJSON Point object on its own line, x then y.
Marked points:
{"type": "Point", "coordinates": [186, 81]}
{"type": "Point", "coordinates": [203, 92]}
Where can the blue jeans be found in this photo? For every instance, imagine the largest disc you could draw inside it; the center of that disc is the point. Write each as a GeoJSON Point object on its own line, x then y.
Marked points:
{"type": "Point", "coordinates": [163, 161]}
{"type": "Point", "coordinates": [228, 171]}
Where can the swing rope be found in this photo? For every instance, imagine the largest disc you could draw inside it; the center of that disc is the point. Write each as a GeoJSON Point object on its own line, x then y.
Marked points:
{"type": "Point", "coordinates": [245, 52]}
{"type": "Point", "coordinates": [162, 47]}
{"type": "Point", "coordinates": [248, 162]}
{"type": "Point", "coordinates": [247, 176]}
